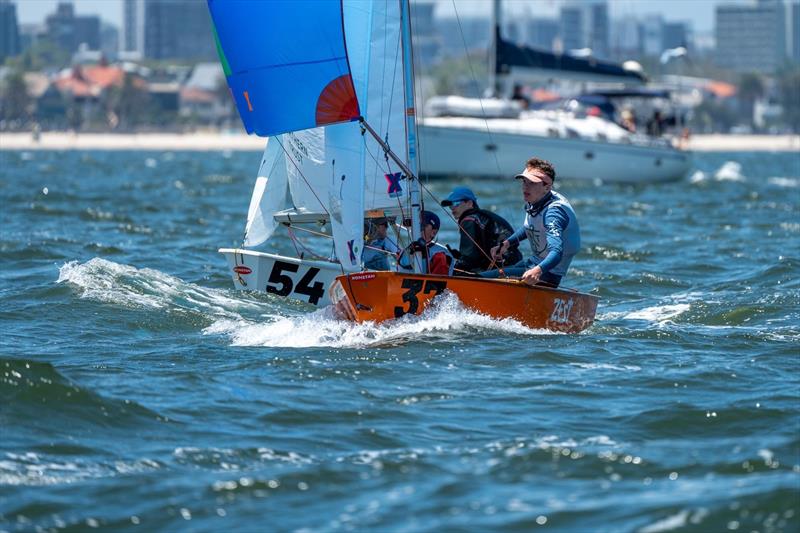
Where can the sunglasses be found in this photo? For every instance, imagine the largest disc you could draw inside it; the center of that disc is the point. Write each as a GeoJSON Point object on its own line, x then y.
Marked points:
{"type": "Point", "coordinates": [456, 204]}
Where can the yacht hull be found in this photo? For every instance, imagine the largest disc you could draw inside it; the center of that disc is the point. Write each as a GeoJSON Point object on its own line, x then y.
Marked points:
{"type": "Point", "coordinates": [381, 296]}
{"type": "Point", "coordinates": [289, 277]}
{"type": "Point", "coordinates": [467, 152]}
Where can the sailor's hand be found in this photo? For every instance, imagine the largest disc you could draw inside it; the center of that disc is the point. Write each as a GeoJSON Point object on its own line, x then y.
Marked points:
{"type": "Point", "coordinates": [532, 276]}
{"type": "Point", "coordinates": [417, 246]}
{"type": "Point", "coordinates": [499, 250]}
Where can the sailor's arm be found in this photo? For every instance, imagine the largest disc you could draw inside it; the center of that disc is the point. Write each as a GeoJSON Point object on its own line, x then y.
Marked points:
{"type": "Point", "coordinates": [517, 237]}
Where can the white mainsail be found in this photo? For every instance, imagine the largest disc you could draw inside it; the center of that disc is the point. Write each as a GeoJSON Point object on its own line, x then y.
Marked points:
{"type": "Point", "coordinates": [268, 196]}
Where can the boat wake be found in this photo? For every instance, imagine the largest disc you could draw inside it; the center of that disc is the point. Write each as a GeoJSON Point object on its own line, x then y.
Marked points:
{"type": "Point", "coordinates": [445, 320]}
{"type": "Point", "coordinates": [106, 281]}
{"type": "Point", "coordinates": [250, 319]}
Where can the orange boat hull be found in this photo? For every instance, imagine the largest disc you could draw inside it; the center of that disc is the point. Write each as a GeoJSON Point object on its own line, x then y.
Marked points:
{"type": "Point", "coordinates": [379, 296]}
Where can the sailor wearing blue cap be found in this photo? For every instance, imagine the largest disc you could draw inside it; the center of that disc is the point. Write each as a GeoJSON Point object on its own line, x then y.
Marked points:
{"type": "Point", "coordinates": [480, 231]}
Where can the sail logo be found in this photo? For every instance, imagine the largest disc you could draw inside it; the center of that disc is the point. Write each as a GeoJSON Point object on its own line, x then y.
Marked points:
{"type": "Point", "coordinates": [350, 249]}
{"type": "Point", "coordinates": [394, 190]}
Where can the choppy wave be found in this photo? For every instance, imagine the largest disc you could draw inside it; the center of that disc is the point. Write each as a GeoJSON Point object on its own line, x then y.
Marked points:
{"type": "Point", "coordinates": [730, 171]}
{"type": "Point", "coordinates": [446, 319]}
{"type": "Point", "coordinates": [124, 285]}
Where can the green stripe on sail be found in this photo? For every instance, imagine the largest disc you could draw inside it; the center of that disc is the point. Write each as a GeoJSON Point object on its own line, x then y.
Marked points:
{"type": "Point", "coordinates": [226, 68]}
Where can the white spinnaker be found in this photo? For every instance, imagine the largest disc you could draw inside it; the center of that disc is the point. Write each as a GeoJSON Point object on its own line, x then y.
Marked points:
{"type": "Point", "coordinates": [269, 194]}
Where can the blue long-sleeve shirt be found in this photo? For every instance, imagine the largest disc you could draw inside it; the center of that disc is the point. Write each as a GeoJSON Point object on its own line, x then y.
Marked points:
{"type": "Point", "coordinates": [556, 221]}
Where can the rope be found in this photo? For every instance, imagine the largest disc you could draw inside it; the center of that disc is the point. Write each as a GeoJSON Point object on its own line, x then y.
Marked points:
{"type": "Point", "coordinates": [301, 175]}
{"type": "Point", "coordinates": [475, 80]}
{"type": "Point", "coordinates": [461, 230]}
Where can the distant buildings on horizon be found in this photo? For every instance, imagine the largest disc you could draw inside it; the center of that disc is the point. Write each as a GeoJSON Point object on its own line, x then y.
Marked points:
{"type": "Point", "coordinates": [758, 37]}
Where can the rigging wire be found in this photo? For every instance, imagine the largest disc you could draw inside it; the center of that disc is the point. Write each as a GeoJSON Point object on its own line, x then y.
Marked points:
{"type": "Point", "coordinates": [300, 172]}
{"type": "Point", "coordinates": [461, 230]}
{"type": "Point", "coordinates": [475, 80]}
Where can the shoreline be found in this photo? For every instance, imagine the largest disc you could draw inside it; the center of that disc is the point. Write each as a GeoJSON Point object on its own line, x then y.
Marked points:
{"type": "Point", "coordinates": [212, 141]}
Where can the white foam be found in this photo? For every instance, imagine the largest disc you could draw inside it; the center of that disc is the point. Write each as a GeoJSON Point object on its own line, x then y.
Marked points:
{"type": "Point", "coordinates": [107, 281]}
{"type": "Point", "coordinates": [442, 320]}
{"type": "Point", "coordinates": [606, 366]}
{"type": "Point", "coordinates": [658, 313]}
{"type": "Point", "coordinates": [730, 171]}
{"type": "Point", "coordinates": [784, 182]}
{"type": "Point", "coordinates": [671, 522]}
{"type": "Point", "coordinates": [698, 177]}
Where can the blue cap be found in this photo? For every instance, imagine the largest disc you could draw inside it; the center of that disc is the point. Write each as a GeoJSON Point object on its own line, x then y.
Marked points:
{"type": "Point", "coordinates": [431, 218]}
{"type": "Point", "coordinates": [459, 194]}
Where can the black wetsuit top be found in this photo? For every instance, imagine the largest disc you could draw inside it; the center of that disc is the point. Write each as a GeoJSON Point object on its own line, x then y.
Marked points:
{"type": "Point", "coordinates": [483, 230]}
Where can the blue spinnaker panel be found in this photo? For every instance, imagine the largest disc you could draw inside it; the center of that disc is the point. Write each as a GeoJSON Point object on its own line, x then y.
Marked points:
{"type": "Point", "coordinates": [285, 62]}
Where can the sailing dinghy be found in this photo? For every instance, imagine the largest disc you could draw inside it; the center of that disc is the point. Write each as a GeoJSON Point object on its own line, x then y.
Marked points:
{"type": "Point", "coordinates": [332, 84]}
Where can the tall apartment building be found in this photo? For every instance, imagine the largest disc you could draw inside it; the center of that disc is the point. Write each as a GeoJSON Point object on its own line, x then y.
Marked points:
{"type": "Point", "coordinates": [9, 30]}
{"type": "Point", "coordinates": [178, 29]}
{"type": "Point", "coordinates": [68, 31]}
{"type": "Point", "coordinates": [168, 29]}
{"type": "Point", "coordinates": [793, 31]}
{"type": "Point", "coordinates": [584, 24]}
{"type": "Point", "coordinates": [542, 33]}
{"type": "Point", "coordinates": [751, 38]}
{"type": "Point", "coordinates": [675, 34]}
{"type": "Point", "coordinates": [133, 27]}
{"type": "Point", "coordinates": [626, 38]}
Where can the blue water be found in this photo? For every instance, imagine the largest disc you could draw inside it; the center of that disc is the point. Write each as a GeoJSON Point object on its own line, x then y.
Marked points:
{"type": "Point", "coordinates": [139, 392]}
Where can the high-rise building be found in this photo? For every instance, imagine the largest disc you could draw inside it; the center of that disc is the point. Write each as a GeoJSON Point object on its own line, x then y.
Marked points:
{"type": "Point", "coordinates": [9, 30]}
{"type": "Point", "coordinates": [626, 40]}
{"type": "Point", "coordinates": [133, 27]}
{"type": "Point", "coordinates": [178, 29]}
{"type": "Point", "coordinates": [652, 35]}
{"type": "Point", "coordinates": [793, 31]}
{"type": "Point", "coordinates": [68, 31]}
{"type": "Point", "coordinates": [542, 33]}
{"type": "Point", "coordinates": [426, 41]}
{"type": "Point", "coordinates": [109, 40]}
{"type": "Point", "coordinates": [571, 27]}
{"type": "Point", "coordinates": [751, 38]}
{"type": "Point", "coordinates": [674, 34]}
{"type": "Point", "coordinates": [584, 24]}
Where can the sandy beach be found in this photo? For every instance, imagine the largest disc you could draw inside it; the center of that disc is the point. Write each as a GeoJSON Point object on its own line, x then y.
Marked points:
{"type": "Point", "coordinates": [209, 141]}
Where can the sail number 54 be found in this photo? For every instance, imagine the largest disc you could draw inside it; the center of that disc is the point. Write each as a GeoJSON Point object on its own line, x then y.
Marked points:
{"type": "Point", "coordinates": [282, 285]}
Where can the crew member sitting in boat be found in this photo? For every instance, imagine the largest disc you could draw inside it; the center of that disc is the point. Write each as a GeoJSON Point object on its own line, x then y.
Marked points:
{"type": "Point", "coordinates": [436, 259]}
{"type": "Point", "coordinates": [481, 231]}
{"type": "Point", "coordinates": [378, 246]}
{"type": "Point", "coordinates": [550, 225]}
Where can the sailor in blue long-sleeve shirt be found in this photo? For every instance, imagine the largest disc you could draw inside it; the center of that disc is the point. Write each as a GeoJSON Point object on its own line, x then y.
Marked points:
{"type": "Point", "coordinates": [550, 225]}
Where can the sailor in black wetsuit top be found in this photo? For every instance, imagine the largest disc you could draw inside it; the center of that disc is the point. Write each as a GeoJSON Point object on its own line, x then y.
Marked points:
{"type": "Point", "coordinates": [480, 231]}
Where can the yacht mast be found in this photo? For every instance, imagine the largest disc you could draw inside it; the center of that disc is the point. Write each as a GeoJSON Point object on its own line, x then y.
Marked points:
{"type": "Point", "coordinates": [494, 86]}
{"type": "Point", "coordinates": [411, 124]}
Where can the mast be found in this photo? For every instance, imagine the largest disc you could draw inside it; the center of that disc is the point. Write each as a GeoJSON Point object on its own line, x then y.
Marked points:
{"type": "Point", "coordinates": [411, 125]}
{"type": "Point", "coordinates": [494, 85]}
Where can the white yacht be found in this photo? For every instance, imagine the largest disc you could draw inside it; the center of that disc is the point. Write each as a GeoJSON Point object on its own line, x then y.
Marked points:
{"type": "Point", "coordinates": [493, 137]}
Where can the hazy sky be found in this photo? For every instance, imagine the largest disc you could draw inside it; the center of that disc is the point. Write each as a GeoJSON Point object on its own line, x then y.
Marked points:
{"type": "Point", "coordinates": [699, 12]}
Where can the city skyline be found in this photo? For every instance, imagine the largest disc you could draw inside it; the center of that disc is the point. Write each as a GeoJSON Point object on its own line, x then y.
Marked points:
{"type": "Point", "coordinates": [701, 12]}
